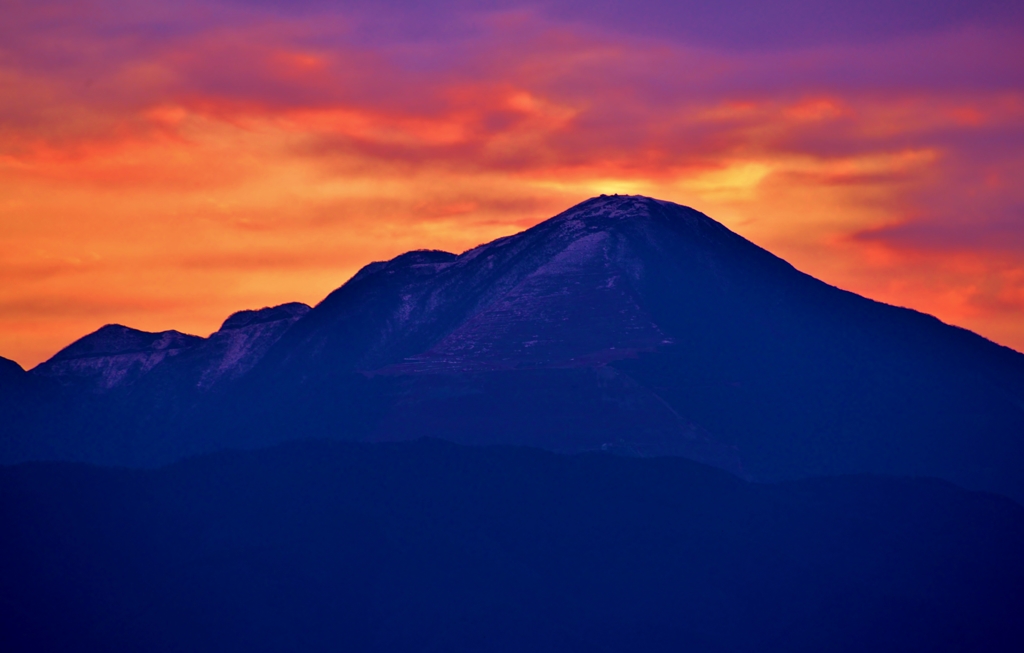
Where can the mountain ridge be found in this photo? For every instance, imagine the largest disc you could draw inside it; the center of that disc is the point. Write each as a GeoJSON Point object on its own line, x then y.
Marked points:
{"type": "Point", "coordinates": [625, 324]}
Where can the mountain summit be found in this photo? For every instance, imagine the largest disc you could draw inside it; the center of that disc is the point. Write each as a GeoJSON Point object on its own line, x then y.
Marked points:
{"type": "Point", "coordinates": [625, 323]}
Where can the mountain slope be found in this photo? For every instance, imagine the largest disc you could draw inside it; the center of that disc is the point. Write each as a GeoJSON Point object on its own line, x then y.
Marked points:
{"type": "Point", "coordinates": [430, 546]}
{"type": "Point", "coordinates": [642, 326]}
{"type": "Point", "coordinates": [119, 357]}
{"type": "Point", "coordinates": [626, 324]}
{"type": "Point", "coordinates": [114, 356]}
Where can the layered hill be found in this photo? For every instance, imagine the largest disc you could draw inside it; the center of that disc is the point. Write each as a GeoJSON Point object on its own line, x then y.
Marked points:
{"type": "Point", "coordinates": [625, 324]}
{"type": "Point", "coordinates": [426, 545]}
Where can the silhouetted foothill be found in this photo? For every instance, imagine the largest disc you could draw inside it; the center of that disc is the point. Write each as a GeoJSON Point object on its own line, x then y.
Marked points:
{"type": "Point", "coordinates": [426, 545]}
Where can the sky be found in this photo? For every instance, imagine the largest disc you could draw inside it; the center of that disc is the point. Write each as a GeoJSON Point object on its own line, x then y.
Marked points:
{"type": "Point", "coordinates": [163, 165]}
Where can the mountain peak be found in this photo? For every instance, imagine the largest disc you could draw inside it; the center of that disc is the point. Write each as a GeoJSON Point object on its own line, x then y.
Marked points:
{"type": "Point", "coordinates": [114, 339]}
{"type": "Point", "coordinates": [617, 201]}
{"type": "Point", "coordinates": [635, 213]}
{"type": "Point", "coordinates": [625, 323]}
{"type": "Point", "coordinates": [620, 207]}
{"type": "Point", "coordinates": [608, 208]}
{"type": "Point", "coordinates": [114, 355]}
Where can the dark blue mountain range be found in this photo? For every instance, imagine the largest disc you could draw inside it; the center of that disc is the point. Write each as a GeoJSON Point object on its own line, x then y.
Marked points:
{"type": "Point", "coordinates": [431, 546]}
{"type": "Point", "coordinates": [625, 324]}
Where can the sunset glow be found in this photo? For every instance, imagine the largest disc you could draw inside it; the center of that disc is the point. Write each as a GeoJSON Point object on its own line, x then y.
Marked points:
{"type": "Point", "coordinates": [162, 167]}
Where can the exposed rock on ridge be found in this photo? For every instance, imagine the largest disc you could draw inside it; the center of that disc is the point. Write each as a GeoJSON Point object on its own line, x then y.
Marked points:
{"type": "Point", "coordinates": [242, 342]}
{"type": "Point", "coordinates": [113, 356]}
{"type": "Point", "coordinates": [117, 357]}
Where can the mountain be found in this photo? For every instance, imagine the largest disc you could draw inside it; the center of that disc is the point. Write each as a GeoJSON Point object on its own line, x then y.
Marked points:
{"type": "Point", "coordinates": [119, 395]}
{"type": "Point", "coordinates": [240, 343]}
{"type": "Point", "coordinates": [415, 546]}
{"type": "Point", "coordinates": [624, 324]}
{"type": "Point", "coordinates": [115, 356]}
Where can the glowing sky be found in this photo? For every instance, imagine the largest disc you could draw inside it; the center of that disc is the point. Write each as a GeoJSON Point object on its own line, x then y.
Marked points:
{"type": "Point", "coordinates": [165, 164]}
